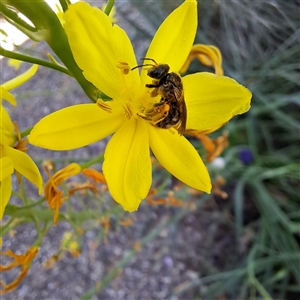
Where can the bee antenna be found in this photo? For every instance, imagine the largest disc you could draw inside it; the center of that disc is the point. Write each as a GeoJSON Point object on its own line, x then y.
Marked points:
{"type": "Point", "coordinates": [145, 58]}
{"type": "Point", "coordinates": [140, 66]}
{"type": "Point", "coordinates": [136, 67]}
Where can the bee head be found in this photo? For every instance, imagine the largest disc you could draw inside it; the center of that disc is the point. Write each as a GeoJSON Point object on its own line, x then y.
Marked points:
{"type": "Point", "coordinates": [158, 71]}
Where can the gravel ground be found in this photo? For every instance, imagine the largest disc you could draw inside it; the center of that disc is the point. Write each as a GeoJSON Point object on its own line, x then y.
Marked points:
{"type": "Point", "coordinates": [175, 257]}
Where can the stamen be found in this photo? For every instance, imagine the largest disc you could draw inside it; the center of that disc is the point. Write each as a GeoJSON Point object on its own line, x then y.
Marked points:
{"type": "Point", "coordinates": [21, 145]}
{"type": "Point", "coordinates": [104, 105]}
{"type": "Point", "coordinates": [124, 67]}
{"type": "Point", "coordinates": [128, 111]}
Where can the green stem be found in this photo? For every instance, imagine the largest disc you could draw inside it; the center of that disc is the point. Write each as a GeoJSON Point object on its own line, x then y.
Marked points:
{"type": "Point", "coordinates": [33, 60]}
{"type": "Point", "coordinates": [11, 15]}
{"type": "Point", "coordinates": [36, 203]}
{"type": "Point", "coordinates": [41, 233]}
{"type": "Point", "coordinates": [46, 215]}
{"type": "Point", "coordinates": [23, 192]}
{"type": "Point", "coordinates": [26, 132]}
{"type": "Point", "coordinates": [93, 161]}
{"type": "Point", "coordinates": [11, 223]}
{"type": "Point", "coordinates": [109, 6]}
{"type": "Point", "coordinates": [64, 5]}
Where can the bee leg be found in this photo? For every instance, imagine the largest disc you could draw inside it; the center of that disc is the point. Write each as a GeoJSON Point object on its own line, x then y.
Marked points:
{"type": "Point", "coordinates": [155, 85]}
{"type": "Point", "coordinates": [154, 93]}
{"type": "Point", "coordinates": [161, 103]}
{"type": "Point", "coordinates": [161, 111]}
{"type": "Point", "coordinates": [144, 116]}
{"type": "Point", "coordinates": [156, 114]}
{"type": "Point", "coordinates": [152, 85]}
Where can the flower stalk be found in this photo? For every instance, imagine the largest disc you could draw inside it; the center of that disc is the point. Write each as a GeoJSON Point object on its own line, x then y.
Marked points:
{"type": "Point", "coordinates": [109, 6]}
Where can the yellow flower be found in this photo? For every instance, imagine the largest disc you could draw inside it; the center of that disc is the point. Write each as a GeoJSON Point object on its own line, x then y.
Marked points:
{"type": "Point", "coordinates": [105, 54]}
{"type": "Point", "coordinates": [13, 156]}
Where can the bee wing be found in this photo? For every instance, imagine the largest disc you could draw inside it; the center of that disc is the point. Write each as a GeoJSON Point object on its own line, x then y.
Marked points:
{"type": "Point", "coordinates": [184, 116]}
{"type": "Point", "coordinates": [178, 94]}
{"type": "Point", "coordinates": [181, 126]}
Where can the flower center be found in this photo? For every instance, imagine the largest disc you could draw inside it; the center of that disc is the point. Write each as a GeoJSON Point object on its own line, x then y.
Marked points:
{"type": "Point", "coordinates": [156, 103]}
{"type": "Point", "coordinates": [138, 100]}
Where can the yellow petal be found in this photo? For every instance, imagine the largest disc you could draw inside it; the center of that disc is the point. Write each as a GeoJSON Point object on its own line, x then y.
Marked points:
{"type": "Point", "coordinates": [180, 158]}
{"type": "Point", "coordinates": [76, 126]}
{"type": "Point", "coordinates": [213, 100]}
{"type": "Point", "coordinates": [124, 53]}
{"type": "Point", "coordinates": [5, 192]}
{"type": "Point", "coordinates": [174, 38]}
{"type": "Point", "coordinates": [4, 94]}
{"type": "Point", "coordinates": [25, 166]}
{"type": "Point", "coordinates": [208, 55]}
{"type": "Point", "coordinates": [98, 46]}
{"type": "Point", "coordinates": [6, 123]}
{"type": "Point", "coordinates": [6, 167]}
{"type": "Point", "coordinates": [17, 81]}
{"type": "Point", "coordinates": [7, 136]}
{"type": "Point", "coordinates": [127, 164]}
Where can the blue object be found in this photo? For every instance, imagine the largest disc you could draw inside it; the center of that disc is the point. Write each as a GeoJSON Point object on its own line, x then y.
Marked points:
{"type": "Point", "coordinates": [246, 156]}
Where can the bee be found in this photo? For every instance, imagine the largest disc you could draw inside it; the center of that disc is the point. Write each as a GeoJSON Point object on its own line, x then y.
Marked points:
{"type": "Point", "coordinates": [171, 110]}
